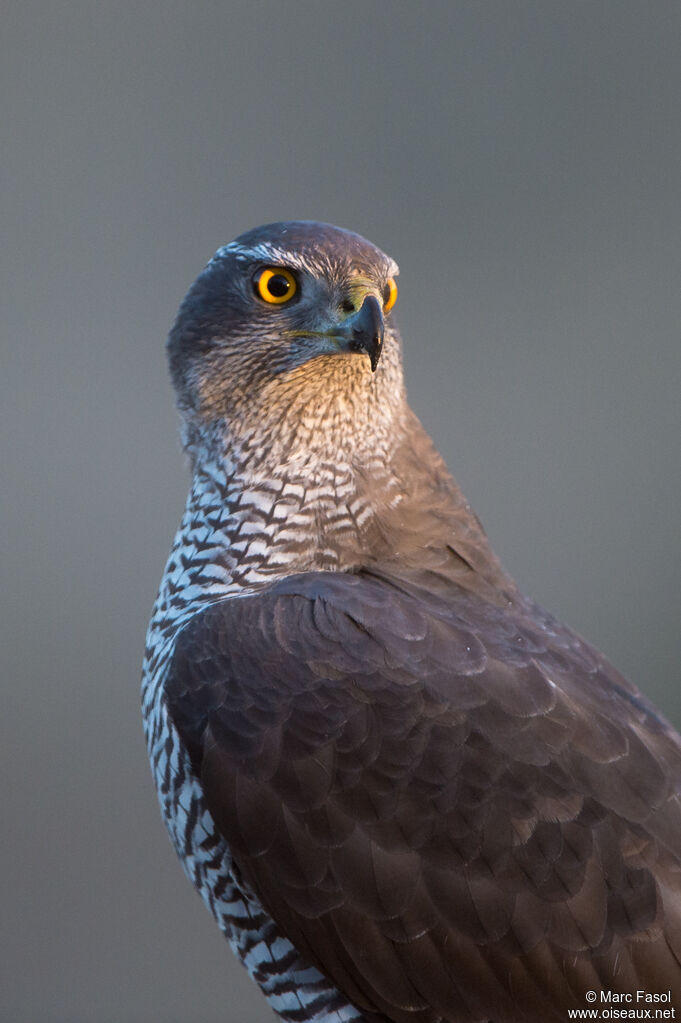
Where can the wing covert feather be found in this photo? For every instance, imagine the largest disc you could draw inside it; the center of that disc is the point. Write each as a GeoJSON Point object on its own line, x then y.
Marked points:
{"type": "Point", "coordinates": [455, 808]}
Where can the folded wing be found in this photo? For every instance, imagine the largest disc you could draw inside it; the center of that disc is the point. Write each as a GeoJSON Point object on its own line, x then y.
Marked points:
{"type": "Point", "coordinates": [456, 810]}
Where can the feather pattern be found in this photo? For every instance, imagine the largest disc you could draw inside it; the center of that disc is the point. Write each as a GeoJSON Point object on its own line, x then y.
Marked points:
{"type": "Point", "coordinates": [406, 793]}
{"type": "Point", "coordinates": [505, 816]}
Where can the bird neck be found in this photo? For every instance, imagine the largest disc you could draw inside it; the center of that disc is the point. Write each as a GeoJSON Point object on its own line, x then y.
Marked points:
{"type": "Point", "coordinates": [319, 484]}
{"type": "Point", "coordinates": [273, 493]}
{"type": "Point", "coordinates": [292, 496]}
{"type": "Point", "coordinates": [330, 410]}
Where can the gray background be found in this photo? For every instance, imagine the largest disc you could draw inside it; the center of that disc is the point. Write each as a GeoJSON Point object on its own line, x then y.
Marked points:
{"type": "Point", "coordinates": [522, 161]}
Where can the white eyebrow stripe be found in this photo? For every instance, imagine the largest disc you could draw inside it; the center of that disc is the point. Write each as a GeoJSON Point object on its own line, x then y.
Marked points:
{"type": "Point", "coordinates": [270, 253]}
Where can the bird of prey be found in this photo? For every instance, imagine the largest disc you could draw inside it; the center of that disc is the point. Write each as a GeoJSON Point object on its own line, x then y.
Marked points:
{"type": "Point", "coordinates": [406, 793]}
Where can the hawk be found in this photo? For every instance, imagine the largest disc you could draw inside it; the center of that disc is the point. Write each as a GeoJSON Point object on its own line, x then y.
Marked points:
{"type": "Point", "coordinates": [405, 792]}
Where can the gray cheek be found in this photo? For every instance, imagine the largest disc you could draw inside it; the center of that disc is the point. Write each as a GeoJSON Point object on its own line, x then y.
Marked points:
{"type": "Point", "coordinates": [291, 353]}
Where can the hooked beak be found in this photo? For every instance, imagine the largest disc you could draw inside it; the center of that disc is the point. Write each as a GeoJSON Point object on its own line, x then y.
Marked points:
{"type": "Point", "coordinates": [363, 332]}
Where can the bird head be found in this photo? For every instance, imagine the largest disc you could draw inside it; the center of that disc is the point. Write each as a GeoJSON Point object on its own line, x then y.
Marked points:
{"type": "Point", "coordinates": [284, 313]}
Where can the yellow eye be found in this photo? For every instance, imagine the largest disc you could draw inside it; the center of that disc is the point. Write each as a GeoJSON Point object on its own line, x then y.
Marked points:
{"type": "Point", "coordinates": [275, 284]}
{"type": "Point", "coordinates": [389, 295]}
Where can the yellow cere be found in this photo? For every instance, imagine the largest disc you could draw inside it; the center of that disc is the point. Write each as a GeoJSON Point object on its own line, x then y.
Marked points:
{"type": "Point", "coordinates": [275, 284]}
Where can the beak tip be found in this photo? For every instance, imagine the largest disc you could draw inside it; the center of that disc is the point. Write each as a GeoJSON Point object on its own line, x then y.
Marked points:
{"type": "Point", "coordinates": [368, 330]}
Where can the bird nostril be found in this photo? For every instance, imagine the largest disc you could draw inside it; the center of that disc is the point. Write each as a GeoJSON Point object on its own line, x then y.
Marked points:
{"type": "Point", "coordinates": [347, 306]}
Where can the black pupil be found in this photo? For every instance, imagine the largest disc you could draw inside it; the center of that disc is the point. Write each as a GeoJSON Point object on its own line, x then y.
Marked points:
{"type": "Point", "coordinates": [278, 285]}
{"type": "Point", "coordinates": [386, 294]}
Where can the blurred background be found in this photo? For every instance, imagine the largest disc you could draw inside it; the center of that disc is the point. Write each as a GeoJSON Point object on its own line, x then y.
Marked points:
{"type": "Point", "coordinates": [522, 162]}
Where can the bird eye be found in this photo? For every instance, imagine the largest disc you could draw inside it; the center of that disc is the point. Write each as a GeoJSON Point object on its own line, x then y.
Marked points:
{"type": "Point", "coordinates": [389, 295]}
{"type": "Point", "coordinates": [275, 285]}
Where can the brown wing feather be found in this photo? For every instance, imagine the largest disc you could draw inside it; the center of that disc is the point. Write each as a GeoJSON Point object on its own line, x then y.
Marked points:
{"type": "Point", "coordinates": [454, 808]}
